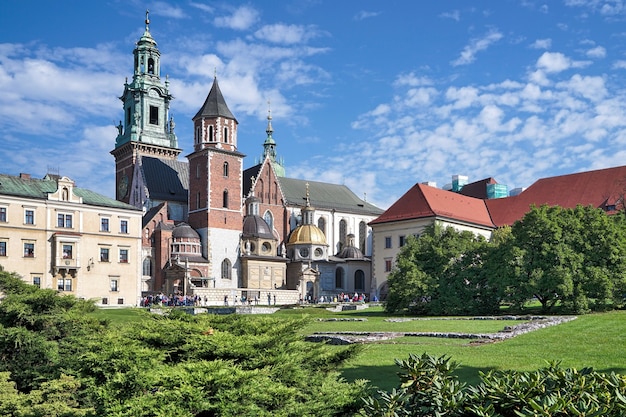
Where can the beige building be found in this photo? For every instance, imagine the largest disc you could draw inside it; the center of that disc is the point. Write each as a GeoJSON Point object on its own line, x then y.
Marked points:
{"type": "Point", "coordinates": [56, 235]}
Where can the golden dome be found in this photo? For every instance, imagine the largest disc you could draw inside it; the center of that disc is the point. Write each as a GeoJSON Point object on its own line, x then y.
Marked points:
{"type": "Point", "coordinates": [307, 234]}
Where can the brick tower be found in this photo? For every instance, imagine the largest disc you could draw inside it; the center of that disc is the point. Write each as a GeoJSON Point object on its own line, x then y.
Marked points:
{"type": "Point", "coordinates": [215, 188]}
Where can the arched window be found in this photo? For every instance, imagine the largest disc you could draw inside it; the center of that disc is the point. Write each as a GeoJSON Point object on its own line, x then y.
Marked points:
{"type": "Point", "coordinates": [151, 66]}
{"type": "Point", "coordinates": [321, 224]}
{"type": "Point", "coordinates": [198, 135]}
{"type": "Point", "coordinates": [65, 195]}
{"type": "Point", "coordinates": [225, 135]}
{"type": "Point", "coordinates": [359, 280]}
{"type": "Point", "coordinates": [339, 274]}
{"type": "Point", "coordinates": [226, 269]}
{"type": "Point", "coordinates": [211, 139]}
{"type": "Point", "coordinates": [343, 231]}
{"type": "Point", "coordinates": [226, 169]}
{"type": "Point", "coordinates": [269, 219]}
{"type": "Point", "coordinates": [147, 267]}
{"type": "Point", "coordinates": [362, 236]}
{"type": "Point", "coordinates": [225, 199]}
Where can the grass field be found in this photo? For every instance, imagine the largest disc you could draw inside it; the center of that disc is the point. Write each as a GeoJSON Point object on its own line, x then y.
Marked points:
{"type": "Point", "coordinates": [594, 340]}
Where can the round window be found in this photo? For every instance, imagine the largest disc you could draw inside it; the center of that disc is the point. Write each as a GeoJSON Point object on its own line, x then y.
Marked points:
{"type": "Point", "coordinates": [319, 252]}
{"type": "Point", "coordinates": [266, 247]}
{"type": "Point", "coordinates": [304, 252]}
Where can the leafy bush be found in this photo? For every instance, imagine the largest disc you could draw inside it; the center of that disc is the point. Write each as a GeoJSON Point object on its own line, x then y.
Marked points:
{"type": "Point", "coordinates": [428, 388]}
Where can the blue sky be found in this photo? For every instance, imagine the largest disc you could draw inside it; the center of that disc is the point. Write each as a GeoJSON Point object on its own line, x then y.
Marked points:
{"type": "Point", "coordinates": [375, 95]}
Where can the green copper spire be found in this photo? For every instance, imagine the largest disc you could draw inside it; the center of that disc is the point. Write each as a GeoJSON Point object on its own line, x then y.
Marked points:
{"type": "Point", "coordinates": [269, 146]}
{"type": "Point", "coordinates": [146, 99]}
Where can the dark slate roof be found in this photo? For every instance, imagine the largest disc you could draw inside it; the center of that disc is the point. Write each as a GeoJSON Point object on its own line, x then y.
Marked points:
{"type": "Point", "coordinates": [601, 188]}
{"type": "Point", "coordinates": [256, 226]}
{"type": "Point", "coordinates": [166, 179]}
{"type": "Point", "coordinates": [248, 174]}
{"type": "Point", "coordinates": [325, 196]}
{"type": "Point", "coordinates": [40, 188]}
{"type": "Point", "coordinates": [477, 189]}
{"type": "Point", "coordinates": [215, 105]}
{"type": "Point", "coordinates": [423, 201]}
{"type": "Point", "coordinates": [148, 215]}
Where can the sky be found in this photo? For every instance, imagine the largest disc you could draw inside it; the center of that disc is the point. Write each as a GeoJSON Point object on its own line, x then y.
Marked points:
{"type": "Point", "coordinates": [376, 95]}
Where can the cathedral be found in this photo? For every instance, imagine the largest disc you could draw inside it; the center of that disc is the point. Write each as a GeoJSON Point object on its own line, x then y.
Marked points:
{"type": "Point", "coordinates": [223, 233]}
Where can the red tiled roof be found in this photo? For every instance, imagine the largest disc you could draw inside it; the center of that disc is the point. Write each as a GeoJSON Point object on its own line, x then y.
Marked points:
{"type": "Point", "coordinates": [599, 188]}
{"type": "Point", "coordinates": [423, 201]}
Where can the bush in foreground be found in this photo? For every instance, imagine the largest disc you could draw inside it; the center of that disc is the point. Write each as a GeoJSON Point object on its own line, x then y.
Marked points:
{"type": "Point", "coordinates": [428, 388]}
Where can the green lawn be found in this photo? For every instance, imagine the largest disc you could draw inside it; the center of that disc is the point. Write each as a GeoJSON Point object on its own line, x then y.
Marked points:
{"type": "Point", "coordinates": [594, 340]}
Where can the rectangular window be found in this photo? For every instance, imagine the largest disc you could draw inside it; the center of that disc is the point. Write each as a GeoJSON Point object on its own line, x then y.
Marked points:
{"type": "Point", "coordinates": [402, 241]}
{"type": "Point", "coordinates": [387, 265]}
{"type": "Point", "coordinates": [64, 284]}
{"type": "Point", "coordinates": [29, 217]}
{"type": "Point", "coordinates": [154, 115]}
{"type": "Point", "coordinates": [123, 226]}
{"type": "Point", "coordinates": [67, 251]}
{"type": "Point", "coordinates": [105, 301]}
{"type": "Point", "coordinates": [3, 248]}
{"type": "Point", "coordinates": [124, 256]}
{"type": "Point", "coordinates": [29, 250]}
{"type": "Point", "coordinates": [104, 254]}
{"type": "Point", "coordinates": [120, 301]}
{"type": "Point", "coordinates": [64, 220]}
{"type": "Point", "coordinates": [37, 282]}
{"type": "Point", "coordinates": [388, 242]}
{"type": "Point", "coordinates": [104, 224]}
{"type": "Point", "coordinates": [3, 214]}
{"type": "Point", "coordinates": [114, 287]}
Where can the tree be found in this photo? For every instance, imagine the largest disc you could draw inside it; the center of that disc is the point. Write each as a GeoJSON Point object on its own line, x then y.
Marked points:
{"type": "Point", "coordinates": [62, 361]}
{"type": "Point", "coordinates": [572, 256]}
{"type": "Point", "coordinates": [428, 265]}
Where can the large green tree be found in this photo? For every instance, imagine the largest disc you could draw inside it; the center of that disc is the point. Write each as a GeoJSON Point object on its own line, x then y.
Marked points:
{"type": "Point", "coordinates": [575, 257]}
{"type": "Point", "coordinates": [430, 269]}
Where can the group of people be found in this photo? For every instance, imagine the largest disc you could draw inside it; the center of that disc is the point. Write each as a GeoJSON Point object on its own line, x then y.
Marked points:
{"type": "Point", "coordinates": [339, 298]}
{"type": "Point", "coordinates": [173, 300]}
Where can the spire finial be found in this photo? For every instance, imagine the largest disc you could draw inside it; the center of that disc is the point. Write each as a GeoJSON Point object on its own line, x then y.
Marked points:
{"type": "Point", "coordinates": [308, 201]}
{"type": "Point", "coordinates": [215, 73]}
{"type": "Point", "coordinates": [269, 129]}
{"type": "Point", "coordinates": [147, 20]}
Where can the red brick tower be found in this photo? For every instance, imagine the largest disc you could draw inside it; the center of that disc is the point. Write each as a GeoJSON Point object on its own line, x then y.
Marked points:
{"type": "Point", "coordinates": [215, 187]}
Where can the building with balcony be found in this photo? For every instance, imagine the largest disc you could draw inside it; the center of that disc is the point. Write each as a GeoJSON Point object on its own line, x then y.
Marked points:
{"type": "Point", "coordinates": [56, 235]}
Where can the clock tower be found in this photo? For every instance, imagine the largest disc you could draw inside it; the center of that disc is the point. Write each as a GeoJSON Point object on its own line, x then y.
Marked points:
{"type": "Point", "coordinates": [147, 128]}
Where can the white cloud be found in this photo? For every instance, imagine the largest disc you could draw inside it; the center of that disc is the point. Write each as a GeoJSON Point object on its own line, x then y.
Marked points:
{"type": "Point", "coordinates": [552, 62]}
{"type": "Point", "coordinates": [286, 34]}
{"type": "Point", "coordinates": [454, 15]}
{"type": "Point", "coordinates": [241, 19]}
{"type": "Point", "coordinates": [362, 15]}
{"type": "Point", "coordinates": [597, 52]}
{"type": "Point", "coordinates": [468, 55]}
{"type": "Point", "coordinates": [542, 44]}
{"type": "Point", "coordinates": [161, 8]}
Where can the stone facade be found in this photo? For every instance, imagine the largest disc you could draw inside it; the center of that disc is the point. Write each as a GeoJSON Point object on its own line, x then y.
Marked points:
{"type": "Point", "coordinates": [70, 239]}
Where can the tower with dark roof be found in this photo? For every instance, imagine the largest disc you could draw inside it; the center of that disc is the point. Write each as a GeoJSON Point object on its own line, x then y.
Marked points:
{"type": "Point", "coordinates": [147, 128]}
{"type": "Point", "coordinates": [215, 186]}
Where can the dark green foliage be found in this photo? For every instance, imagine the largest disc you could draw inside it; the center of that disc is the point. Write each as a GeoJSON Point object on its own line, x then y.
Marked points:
{"type": "Point", "coordinates": [573, 258]}
{"type": "Point", "coordinates": [428, 388]}
{"type": "Point", "coordinates": [441, 272]}
{"type": "Point", "coordinates": [60, 361]}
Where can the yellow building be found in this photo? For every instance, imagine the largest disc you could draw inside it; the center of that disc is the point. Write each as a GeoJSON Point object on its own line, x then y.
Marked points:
{"type": "Point", "coordinates": [56, 235]}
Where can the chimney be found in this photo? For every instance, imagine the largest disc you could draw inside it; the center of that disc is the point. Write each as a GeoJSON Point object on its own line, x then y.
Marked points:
{"type": "Point", "coordinates": [24, 176]}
